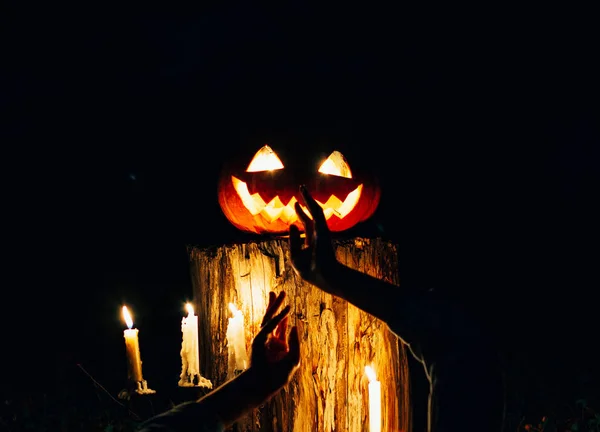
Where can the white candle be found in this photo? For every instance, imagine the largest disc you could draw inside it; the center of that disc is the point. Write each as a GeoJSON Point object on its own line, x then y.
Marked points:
{"type": "Point", "coordinates": [132, 346]}
{"type": "Point", "coordinates": [236, 339]}
{"type": "Point", "coordinates": [190, 355]}
{"type": "Point", "coordinates": [374, 400]}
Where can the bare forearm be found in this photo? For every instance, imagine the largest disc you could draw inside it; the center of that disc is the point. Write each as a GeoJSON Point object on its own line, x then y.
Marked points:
{"type": "Point", "coordinates": [236, 397]}
{"type": "Point", "coordinates": [221, 407]}
{"type": "Point", "coordinates": [408, 311]}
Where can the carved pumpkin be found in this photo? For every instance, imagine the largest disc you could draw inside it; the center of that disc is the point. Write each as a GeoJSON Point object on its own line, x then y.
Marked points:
{"type": "Point", "coordinates": [258, 195]}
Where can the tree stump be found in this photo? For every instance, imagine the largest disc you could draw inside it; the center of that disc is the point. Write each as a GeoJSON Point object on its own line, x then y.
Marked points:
{"type": "Point", "coordinates": [330, 390]}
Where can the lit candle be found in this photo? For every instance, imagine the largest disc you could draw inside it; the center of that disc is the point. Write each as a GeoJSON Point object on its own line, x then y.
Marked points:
{"type": "Point", "coordinates": [374, 400]}
{"type": "Point", "coordinates": [190, 356]}
{"type": "Point", "coordinates": [132, 347]}
{"type": "Point", "coordinates": [236, 339]}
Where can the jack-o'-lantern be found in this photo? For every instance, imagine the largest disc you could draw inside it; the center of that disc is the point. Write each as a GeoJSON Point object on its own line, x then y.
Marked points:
{"type": "Point", "coordinates": [258, 195]}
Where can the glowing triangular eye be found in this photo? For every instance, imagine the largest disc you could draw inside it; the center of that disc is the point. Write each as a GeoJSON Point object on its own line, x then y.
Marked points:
{"type": "Point", "coordinates": [264, 160]}
{"type": "Point", "coordinates": [336, 165]}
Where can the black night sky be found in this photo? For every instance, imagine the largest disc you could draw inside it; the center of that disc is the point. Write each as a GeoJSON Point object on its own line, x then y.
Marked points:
{"type": "Point", "coordinates": [481, 125]}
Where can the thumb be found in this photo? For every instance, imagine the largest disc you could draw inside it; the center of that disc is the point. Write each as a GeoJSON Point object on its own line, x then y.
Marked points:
{"type": "Point", "coordinates": [294, 346]}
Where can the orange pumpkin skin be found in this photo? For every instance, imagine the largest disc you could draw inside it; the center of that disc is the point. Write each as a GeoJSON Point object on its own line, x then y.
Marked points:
{"type": "Point", "coordinates": [279, 189]}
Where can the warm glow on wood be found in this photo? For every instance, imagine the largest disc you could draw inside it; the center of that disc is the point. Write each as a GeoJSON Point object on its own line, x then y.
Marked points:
{"type": "Point", "coordinates": [336, 165]}
{"type": "Point", "coordinates": [374, 400]}
{"type": "Point", "coordinates": [329, 390]}
{"type": "Point", "coordinates": [265, 160]}
{"type": "Point", "coordinates": [127, 317]}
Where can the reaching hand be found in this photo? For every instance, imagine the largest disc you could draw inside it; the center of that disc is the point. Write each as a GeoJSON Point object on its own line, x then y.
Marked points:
{"type": "Point", "coordinates": [314, 258]}
{"type": "Point", "coordinates": [274, 357]}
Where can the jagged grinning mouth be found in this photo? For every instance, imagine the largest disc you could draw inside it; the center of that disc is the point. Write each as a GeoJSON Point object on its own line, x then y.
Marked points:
{"type": "Point", "coordinates": [276, 209]}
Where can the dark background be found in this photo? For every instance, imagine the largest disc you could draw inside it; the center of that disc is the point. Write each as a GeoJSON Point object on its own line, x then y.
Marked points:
{"type": "Point", "coordinates": [482, 126]}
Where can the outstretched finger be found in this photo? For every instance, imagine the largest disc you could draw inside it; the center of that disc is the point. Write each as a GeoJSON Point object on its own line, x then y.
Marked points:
{"type": "Point", "coordinates": [275, 302]}
{"type": "Point", "coordinates": [307, 222]}
{"type": "Point", "coordinates": [272, 297]}
{"type": "Point", "coordinates": [295, 241]}
{"type": "Point", "coordinates": [315, 210]}
{"type": "Point", "coordinates": [281, 329]}
{"type": "Point", "coordinates": [304, 218]}
{"type": "Point", "coordinates": [269, 326]}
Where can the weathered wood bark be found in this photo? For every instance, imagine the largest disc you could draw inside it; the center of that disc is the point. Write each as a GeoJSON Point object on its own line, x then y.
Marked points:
{"type": "Point", "coordinates": [330, 391]}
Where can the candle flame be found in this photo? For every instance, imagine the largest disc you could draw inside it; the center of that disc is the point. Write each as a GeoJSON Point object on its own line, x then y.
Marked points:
{"type": "Point", "coordinates": [233, 308]}
{"type": "Point", "coordinates": [189, 308]}
{"type": "Point", "coordinates": [127, 317]}
{"type": "Point", "coordinates": [370, 373]}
